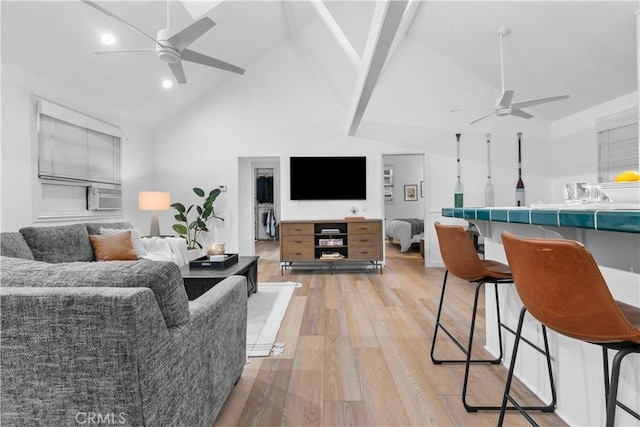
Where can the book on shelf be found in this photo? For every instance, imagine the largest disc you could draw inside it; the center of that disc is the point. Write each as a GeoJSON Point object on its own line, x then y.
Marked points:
{"type": "Point", "coordinates": [332, 255]}
{"type": "Point", "coordinates": [330, 242]}
{"type": "Point", "coordinates": [330, 230]}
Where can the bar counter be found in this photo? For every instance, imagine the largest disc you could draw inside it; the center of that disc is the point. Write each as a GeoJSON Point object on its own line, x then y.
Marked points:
{"type": "Point", "coordinates": [613, 238]}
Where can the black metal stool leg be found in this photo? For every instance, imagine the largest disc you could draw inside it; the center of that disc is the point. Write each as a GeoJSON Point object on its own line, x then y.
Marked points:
{"type": "Point", "coordinates": [465, 382]}
{"type": "Point", "coordinates": [507, 397]}
{"type": "Point", "coordinates": [439, 326]}
{"type": "Point", "coordinates": [612, 397]}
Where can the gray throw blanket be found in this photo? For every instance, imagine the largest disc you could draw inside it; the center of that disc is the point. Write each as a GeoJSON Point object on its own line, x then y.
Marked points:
{"type": "Point", "coordinates": [417, 225]}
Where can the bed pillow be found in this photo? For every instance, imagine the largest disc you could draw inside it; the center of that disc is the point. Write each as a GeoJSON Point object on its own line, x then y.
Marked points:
{"type": "Point", "coordinates": [136, 239]}
{"type": "Point", "coordinates": [117, 247]}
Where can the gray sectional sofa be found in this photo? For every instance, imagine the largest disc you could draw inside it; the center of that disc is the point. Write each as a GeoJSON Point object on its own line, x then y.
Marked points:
{"type": "Point", "coordinates": [114, 342]}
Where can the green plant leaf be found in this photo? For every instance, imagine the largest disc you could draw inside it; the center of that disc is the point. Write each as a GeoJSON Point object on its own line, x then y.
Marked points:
{"type": "Point", "coordinates": [189, 210]}
{"type": "Point", "coordinates": [201, 223]}
{"type": "Point", "coordinates": [180, 217]}
{"type": "Point", "coordinates": [178, 206]}
{"type": "Point", "coordinates": [199, 210]}
{"type": "Point", "coordinates": [214, 193]}
{"type": "Point", "coordinates": [180, 229]}
{"type": "Point", "coordinates": [193, 224]}
{"type": "Point", "coordinates": [198, 191]}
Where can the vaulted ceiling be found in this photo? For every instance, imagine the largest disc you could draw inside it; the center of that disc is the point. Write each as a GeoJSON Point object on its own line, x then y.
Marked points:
{"type": "Point", "coordinates": [583, 48]}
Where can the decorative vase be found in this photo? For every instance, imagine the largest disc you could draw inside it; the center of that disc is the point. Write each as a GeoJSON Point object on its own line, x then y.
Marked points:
{"type": "Point", "coordinates": [216, 249]}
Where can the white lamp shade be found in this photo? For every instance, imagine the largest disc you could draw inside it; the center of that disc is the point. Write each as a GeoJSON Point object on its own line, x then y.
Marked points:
{"type": "Point", "coordinates": [154, 201]}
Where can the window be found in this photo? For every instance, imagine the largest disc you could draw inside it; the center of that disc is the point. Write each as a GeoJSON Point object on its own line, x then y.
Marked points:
{"type": "Point", "coordinates": [74, 150]}
{"type": "Point", "coordinates": [617, 145]}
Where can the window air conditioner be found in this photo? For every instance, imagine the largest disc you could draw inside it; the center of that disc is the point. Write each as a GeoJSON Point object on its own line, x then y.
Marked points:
{"type": "Point", "coordinates": [103, 199]}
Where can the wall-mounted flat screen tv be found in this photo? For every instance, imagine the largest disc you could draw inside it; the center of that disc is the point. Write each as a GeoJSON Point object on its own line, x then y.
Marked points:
{"type": "Point", "coordinates": [328, 178]}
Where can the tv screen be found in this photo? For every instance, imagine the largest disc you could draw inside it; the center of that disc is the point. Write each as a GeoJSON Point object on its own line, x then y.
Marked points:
{"type": "Point", "coordinates": [328, 178]}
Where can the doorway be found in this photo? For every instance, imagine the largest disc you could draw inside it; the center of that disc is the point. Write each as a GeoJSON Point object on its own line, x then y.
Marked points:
{"type": "Point", "coordinates": [404, 204]}
{"type": "Point", "coordinates": [259, 202]}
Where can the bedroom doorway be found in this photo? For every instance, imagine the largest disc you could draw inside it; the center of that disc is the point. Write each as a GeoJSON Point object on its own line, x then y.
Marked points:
{"type": "Point", "coordinates": [404, 204]}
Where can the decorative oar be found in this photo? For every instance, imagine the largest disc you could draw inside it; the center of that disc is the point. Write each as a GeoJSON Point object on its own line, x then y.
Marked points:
{"type": "Point", "coordinates": [458, 193]}
{"type": "Point", "coordinates": [488, 188]}
{"type": "Point", "coordinates": [520, 184]}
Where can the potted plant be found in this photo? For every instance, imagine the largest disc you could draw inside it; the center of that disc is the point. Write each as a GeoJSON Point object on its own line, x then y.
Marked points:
{"type": "Point", "coordinates": [190, 230]}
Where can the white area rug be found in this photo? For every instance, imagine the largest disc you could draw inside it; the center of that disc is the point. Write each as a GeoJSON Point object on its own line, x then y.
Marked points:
{"type": "Point", "coordinates": [265, 311]}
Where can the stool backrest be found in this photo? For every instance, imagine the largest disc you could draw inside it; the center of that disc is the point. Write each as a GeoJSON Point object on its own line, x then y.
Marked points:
{"type": "Point", "coordinates": [458, 253]}
{"type": "Point", "coordinates": [560, 284]}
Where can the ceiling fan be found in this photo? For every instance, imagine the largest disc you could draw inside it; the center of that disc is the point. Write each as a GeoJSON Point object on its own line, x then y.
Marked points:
{"type": "Point", "coordinates": [504, 105]}
{"type": "Point", "coordinates": [172, 49]}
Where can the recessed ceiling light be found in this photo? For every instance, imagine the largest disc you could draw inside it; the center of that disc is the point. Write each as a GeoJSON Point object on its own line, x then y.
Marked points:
{"type": "Point", "coordinates": [108, 39]}
{"type": "Point", "coordinates": [167, 83]}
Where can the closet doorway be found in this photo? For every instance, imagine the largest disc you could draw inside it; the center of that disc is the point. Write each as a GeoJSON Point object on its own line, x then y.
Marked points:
{"type": "Point", "coordinates": [265, 223]}
{"type": "Point", "coordinates": [259, 205]}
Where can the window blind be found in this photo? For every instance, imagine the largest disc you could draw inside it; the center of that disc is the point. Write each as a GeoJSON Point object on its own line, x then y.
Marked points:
{"type": "Point", "coordinates": [617, 151]}
{"type": "Point", "coordinates": [71, 152]}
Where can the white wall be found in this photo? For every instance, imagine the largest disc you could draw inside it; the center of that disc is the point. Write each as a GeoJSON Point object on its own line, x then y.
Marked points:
{"type": "Point", "coordinates": [575, 144]}
{"type": "Point", "coordinates": [19, 182]}
{"type": "Point", "coordinates": [280, 107]}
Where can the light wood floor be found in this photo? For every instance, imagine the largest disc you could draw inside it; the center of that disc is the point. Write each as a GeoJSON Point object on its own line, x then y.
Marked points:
{"type": "Point", "coordinates": [357, 353]}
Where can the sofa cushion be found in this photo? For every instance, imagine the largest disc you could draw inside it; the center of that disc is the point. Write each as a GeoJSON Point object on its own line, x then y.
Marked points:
{"type": "Point", "coordinates": [13, 244]}
{"type": "Point", "coordinates": [136, 238]}
{"type": "Point", "coordinates": [94, 227]}
{"type": "Point", "coordinates": [114, 247]}
{"type": "Point", "coordinates": [59, 243]}
{"type": "Point", "coordinates": [163, 278]}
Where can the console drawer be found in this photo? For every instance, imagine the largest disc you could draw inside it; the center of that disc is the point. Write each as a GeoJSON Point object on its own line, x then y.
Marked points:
{"type": "Point", "coordinates": [297, 248]}
{"type": "Point", "coordinates": [296, 229]}
{"type": "Point", "coordinates": [365, 247]}
{"type": "Point", "coordinates": [363, 228]}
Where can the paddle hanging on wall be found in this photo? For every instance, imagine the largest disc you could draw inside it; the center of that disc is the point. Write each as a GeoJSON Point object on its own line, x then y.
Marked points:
{"type": "Point", "coordinates": [520, 184]}
{"type": "Point", "coordinates": [458, 192]}
{"type": "Point", "coordinates": [488, 188]}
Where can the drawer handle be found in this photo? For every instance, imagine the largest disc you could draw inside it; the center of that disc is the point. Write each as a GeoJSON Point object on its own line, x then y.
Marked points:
{"type": "Point", "coordinates": [298, 253]}
{"type": "Point", "coordinates": [298, 241]}
{"type": "Point", "coordinates": [364, 253]}
{"type": "Point", "coordinates": [364, 240]}
{"type": "Point", "coordinates": [298, 229]}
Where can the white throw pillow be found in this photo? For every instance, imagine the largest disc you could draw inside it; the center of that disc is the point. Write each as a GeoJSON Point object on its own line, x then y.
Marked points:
{"type": "Point", "coordinates": [136, 238]}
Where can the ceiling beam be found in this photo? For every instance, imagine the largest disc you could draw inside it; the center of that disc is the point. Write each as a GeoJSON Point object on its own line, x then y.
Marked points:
{"type": "Point", "coordinates": [387, 17]}
{"type": "Point", "coordinates": [407, 19]}
{"type": "Point", "coordinates": [337, 32]}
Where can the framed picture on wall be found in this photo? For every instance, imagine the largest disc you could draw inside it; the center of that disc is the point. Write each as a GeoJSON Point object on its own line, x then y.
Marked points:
{"type": "Point", "coordinates": [410, 192]}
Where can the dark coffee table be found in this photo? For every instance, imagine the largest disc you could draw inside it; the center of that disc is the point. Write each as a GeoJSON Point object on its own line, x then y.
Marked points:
{"type": "Point", "coordinates": [197, 281]}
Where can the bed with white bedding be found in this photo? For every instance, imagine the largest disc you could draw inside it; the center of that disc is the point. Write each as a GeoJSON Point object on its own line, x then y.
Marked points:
{"type": "Point", "coordinates": [406, 231]}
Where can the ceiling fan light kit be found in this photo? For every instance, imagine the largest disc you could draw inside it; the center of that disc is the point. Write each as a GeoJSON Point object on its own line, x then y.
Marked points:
{"type": "Point", "coordinates": [504, 105]}
{"type": "Point", "coordinates": [172, 49]}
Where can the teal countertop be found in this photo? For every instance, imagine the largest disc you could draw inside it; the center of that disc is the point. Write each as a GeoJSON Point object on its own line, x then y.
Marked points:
{"type": "Point", "coordinates": [626, 221]}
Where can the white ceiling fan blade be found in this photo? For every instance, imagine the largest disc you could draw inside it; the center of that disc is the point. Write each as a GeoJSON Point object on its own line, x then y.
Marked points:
{"type": "Point", "coordinates": [473, 109]}
{"type": "Point", "coordinates": [198, 58]}
{"type": "Point", "coordinates": [520, 113]}
{"type": "Point", "coordinates": [532, 102]}
{"type": "Point", "coordinates": [505, 100]}
{"type": "Point", "coordinates": [191, 33]}
{"type": "Point", "coordinates": [178, 72]}
{"type": "Point", "coordinates": [483, 117]}
{"type": "Point", "coordinates": [117, 18]}
{"type": "Point", "coordinates": [109, 51]}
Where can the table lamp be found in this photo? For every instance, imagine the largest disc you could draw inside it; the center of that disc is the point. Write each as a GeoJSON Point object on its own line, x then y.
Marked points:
{"type": "Point", "coordinates": [154, 201]}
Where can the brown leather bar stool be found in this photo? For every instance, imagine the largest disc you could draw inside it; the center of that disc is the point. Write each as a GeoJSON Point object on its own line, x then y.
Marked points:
{"type": "Point", "coordinates": [461, 259]}
{"type": "Point", "coordinates": [561, 286]}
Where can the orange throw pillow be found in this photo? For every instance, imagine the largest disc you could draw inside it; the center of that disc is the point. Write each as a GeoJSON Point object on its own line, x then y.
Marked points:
{"type": "Point", "coordinates": [113, 248]}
